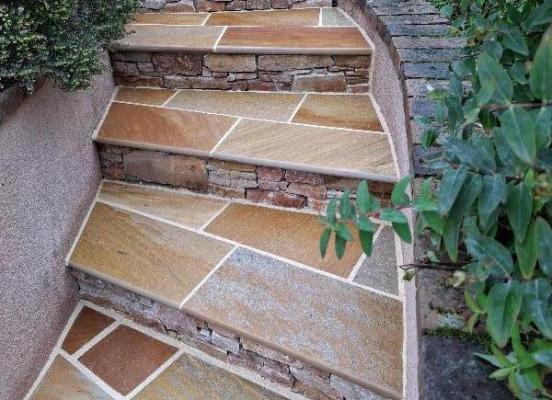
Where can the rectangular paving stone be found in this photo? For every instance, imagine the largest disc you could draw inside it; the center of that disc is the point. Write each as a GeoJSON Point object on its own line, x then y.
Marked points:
{"type": "Point", "coordinates": [163, 129]}
{"type": "Point", "coordinates": [333, 17]}
{"type": "Point", "coordinates": [291, 17]}
{"type": "Point", "coordinates": [149, 257]}
{"type": "Point", "coordinates": [339, 111]}
{"type": "Point", "coordinates": [322, 150]}
{"type": "Point", "coordinates": [190, 378]}
{"type": "Point", "coordinates": [88, 324]}
{"type": "Point", "coordinates": [154, 97]}
{"type": "Point", "coordinates": [272, 106]}
{"type": "Point", "coordinates": [287, 234]}
{"type": "Point", "coordinates": [169, 38]}
{"type": "Point", "coordinates": [185, 209]}
{"type": "Point", "coordinates": [126, 357]}
{"type": "Point", "coordinates": [304, 40]}
{"type": "Point", "coordinates": [340, 328]}
{"type": "Point", "coordinates": [64, 381]}
{"type": "Point", "coordinates": [170, 18]}
{"type": "Point", "coordinates": [379, 271]}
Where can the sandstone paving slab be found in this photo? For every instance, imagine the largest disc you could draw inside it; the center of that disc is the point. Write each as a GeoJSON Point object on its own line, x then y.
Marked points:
{"type": "Point", "coordinates": [147, 96]}
{"type": "Point", "coordinates": [343, 329]}
{"type": "Point", "coordinates": [294, 40]}
{"type": "Point", "coordinates": [169, 38]}
{"type": "Point", "coordinates": [88, 324]}
{"type": "Point", "coordinates": [126, 357]}
{"type": "Point", "coordinates": [313, 149]}
{"type": "Point", "coordinates": [287, 234]}
{"type": "Point", "coordinates": [185, 209]}
{"type": "Point", "coordinates": [170, 18]}
{"type": "Point", "coordinates": [288, 17]}
{"type": "Point", "coordinates": [333, 17]}
{"type": "Point", "coordinates": [340, 111]}
{"type": "Point", "coordinates": [379, 271]}
{"type": "Point", "coordinates": [163, 129]}
{"type": "Point", "coordinates": [146, 256]}
{"type": "Point", "coordinates": [64, 381]}
{"type": "Point", "coordinates": [261, 105]}
{"type": "Point", "coordinates": [190, 378]}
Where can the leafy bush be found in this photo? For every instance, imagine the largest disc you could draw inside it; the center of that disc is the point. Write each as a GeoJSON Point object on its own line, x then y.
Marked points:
{"type": "Point", "coordinates": [57, 39]}
{"type": "Point", "coordinates": [489, 214]}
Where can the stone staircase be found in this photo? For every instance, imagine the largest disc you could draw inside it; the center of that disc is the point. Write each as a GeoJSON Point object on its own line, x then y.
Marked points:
{"type": "Point", "coordinates": [206, 225]}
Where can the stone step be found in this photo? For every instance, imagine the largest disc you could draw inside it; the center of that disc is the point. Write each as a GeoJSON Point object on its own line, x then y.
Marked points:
{"type": "Point", "coordinates": [240, 142]}
{"type": "Point", "coordinates": [247, 283]}
{"type": "Point", "coordinates": [299, 49]}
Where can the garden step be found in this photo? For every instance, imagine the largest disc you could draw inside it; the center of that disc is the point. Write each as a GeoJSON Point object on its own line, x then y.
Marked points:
{"type": "Point", "coordinates": [251, 270]}
{"type": "Point", "coordinates": [316, 49]}
{"type": "Point", "coordinates": [316, 133]}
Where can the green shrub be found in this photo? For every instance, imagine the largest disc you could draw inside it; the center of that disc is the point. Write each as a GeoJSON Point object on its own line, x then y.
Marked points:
{"type": "Point", "coordinates": [57, 39]}
{"type": "Point", "coordinates": [489, 213]}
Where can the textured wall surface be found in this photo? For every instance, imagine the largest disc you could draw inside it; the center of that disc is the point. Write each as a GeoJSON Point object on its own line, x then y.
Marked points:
{"type": "Point", "coordinates": [49, 172]}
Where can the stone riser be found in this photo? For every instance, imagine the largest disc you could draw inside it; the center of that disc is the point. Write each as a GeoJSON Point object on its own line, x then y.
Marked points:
{"type": "Point", "coordinates": [217, 342]}
{"type": "Point", "coordinates": [276, 186]}
{"type": "Point", "coordinates": [265, 72]}
{"type": "Point", "coordinates": [233, 5]}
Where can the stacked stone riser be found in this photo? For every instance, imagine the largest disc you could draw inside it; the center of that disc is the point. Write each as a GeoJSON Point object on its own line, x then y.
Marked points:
{"type": "Point", "coordinates": [264, 72]}
{"type": "Point", "coordinates": [218, 342]}
{"type": "Point", "coordinates": [276, 186]}
{"type": "Point", "coordinates": [227, 5]}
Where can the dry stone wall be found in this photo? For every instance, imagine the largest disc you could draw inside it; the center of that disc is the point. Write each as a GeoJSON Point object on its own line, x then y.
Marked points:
{"type": "Point", "coordinates": [228, 5]}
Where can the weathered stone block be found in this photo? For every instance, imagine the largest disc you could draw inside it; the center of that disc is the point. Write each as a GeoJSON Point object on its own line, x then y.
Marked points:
{"type": "Point", "coordinates": [224, 191]}
{"type": "Point", "coordinates": [153, 4]}
{"type": "Point", "coordinates": [277, 198]}
{"type": "Point", "coordinates": [264, 351]}
{"type": "Point", "coordinates": [276, 372]}
{"type": "Point", "coordinates": [209, 6]}
{"type": "Point", "coordinates": [304, 189]}
{"type": "Point", "coordinates": [236, 5]}
{"type": "Point", "coordinates": [280, 3]}
{"type": "Point", "coordinates": [231, 62]}
{"type": "Point", "coordinates": [226, 340]}
{"type": "Point", "coordinates": [426, 70]}
{"type": "Point", "coordinates": [181, 6]}
{"type": "Point", "coordinates": [257, 4]}
{"type": "Point", "coordinates": [334, 82]}
{"type": "Point", "coordinates": [125, 68]}
{"type": "Point", "coordinates": [353, 61]}
{"type": "Point", "coordinates": [351, 391]}
{"type": "Point", "coordinates": [230, 165]}
{"type": "Point", "coordinates": [181, 64]}
{"type": "Point", "coordinates": [195, 82]}
{"type": "Point", "coordinates": [288, 62]}
{"type": "Point", "coordinates": [270, 174]}
{"type": "Point", "coordinates": [304, 177]}
{"type": "Point", "coordinates": [238, 76]}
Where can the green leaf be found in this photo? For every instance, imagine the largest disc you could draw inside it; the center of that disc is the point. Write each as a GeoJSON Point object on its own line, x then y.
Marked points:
{"type": "Point", "coordinates": [450, 186]}
{"type": "Point", "coordinates": [514, 40]}
{"type": "Point", "coordinates": [519, 207]}
{"type": "Point", "coordinates": [392, 215]}
{"type": "Point", "coordinates": [527, 253]}
{"type": "Point", "coordinates": [492, 194]}
{"type": "Point", "coordinates": [451, 233]}
{"type": "Point", "coordinates": [434, 220]}
{"type": "Point", "coordinates": [544, 246]}
{"type": "Point", "coordinates": [365, 202]}
{"type": "Point", "coordinates": [398, 195]}
{"type": "Point", "coordinates": [488, 69]}
{"type": "Point", "coordinates": [500, 374]}
{"type": "Point", "coordinates": [330, 211]}
{"type": "Point", "coordinates": [540, 78]}
{"type": "Point", "coordinates": [469, 154]}
{"type": "Point", "coordinates": [523, 357]}
{"type": "Point", "coordinates": [467, 196]}
{"type": "Point", "coordinates": [366, 240]}
{"type": "Point", "coordinates": [343, 232]}
{"type": "Point", "coordinates": [403, 231]}
{"type": "Point", "coordinates": [543, 126]}
{"type": "Point", "coordinates": [471, 303]}
{"type": "Point", "coordinates": [503, 308]}
{"type": "Point", "coordinates": [537, 298]}
{"type": "Point", "coordinates": [324, 240]}
{"type": "Point", "coordinates": [346, 210]}
{"type": "Point", "coordinates": [490, 252]}
{"type": "Point", "coordinates": [542, 352]}
{"type": "Point", "coordinates": [518, 73]}
{"type": "Point", "coordinates": [519, 132]}
{"type": "Point", "coordinates": [340, 245]}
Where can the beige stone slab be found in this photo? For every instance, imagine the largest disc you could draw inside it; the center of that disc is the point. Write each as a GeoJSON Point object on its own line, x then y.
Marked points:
{"type": "Point", "coordinates": [163, 129]}
{"type": "Point", "coordinates": [169, 38]}
{"type": "Point", "coordinates": [190, 378]}
{"type": "Point", "coordinates": [272, 106]}
{"type": "Point", "coordinates": [185, 209]}
{"type": "Point", "coordinates": [149, 257]}
{"type": "Point", "coordinates": [291, 17]}
{"type": "Point", "coordinates": [292, 40]}
{"type": "Point", "coordinates": [340, 328]}
{"type": "Point", "coordinates": [287, 234]}
{"type": "Point", "coordinates": [341, 111]}
{"type": "Point", "coordinates": [170, 18]}
{"type": "Point", "coordinates": [64, 381]}
{"type": "Point", "coordinates": [316, 149]}
{"type": "Point", "coordinates": [147, 96]}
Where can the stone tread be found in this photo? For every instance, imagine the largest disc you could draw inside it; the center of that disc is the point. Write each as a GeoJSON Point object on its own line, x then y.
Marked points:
{"type": "Point", "coordinates": [307, 31]}
{"type": "Point", "coordinates": [181, 248]}
{"type": "Point", "coordinates": [260, 128]}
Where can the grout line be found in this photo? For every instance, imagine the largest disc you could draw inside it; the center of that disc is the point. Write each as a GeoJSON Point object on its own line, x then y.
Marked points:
{"type": "Point", "coordinates": [363, 257]}
{"type": "Point", "coordinates": [259, 119]}
{"type": "Point", "coordinates": [320, 16]}
{"type": "Point", "coordinates": [106, 111]}
{"type": "Point", "coordinates": [42, 373]}
{"type": "Point", "coordinates": [172, 96]}
{"type": "Point", "coordinates": [154, 374]}
{"type": "Point", "coordinates": [225, 136]}
{"type": "Point", "coordinates": [92, 342]}
{"type": "Point", "coordinates": [81, 229]}
{"type": "Point", "coordinates": [204, 23]}
{"type": "Point", "coordinates": [296, 110]}
{"type": "Point", "coordinates": [219, 38]}
{"type": "Point", "coordinates": [206, 278]}
{"type": "Point", "coordinates": [234, 243]}
{"type": "Point", "coordinates": [249, 91]}
{"type": "Point", "coordinates": [68, 325]}
{"type": "Point", "coordinates": [219, 212]}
